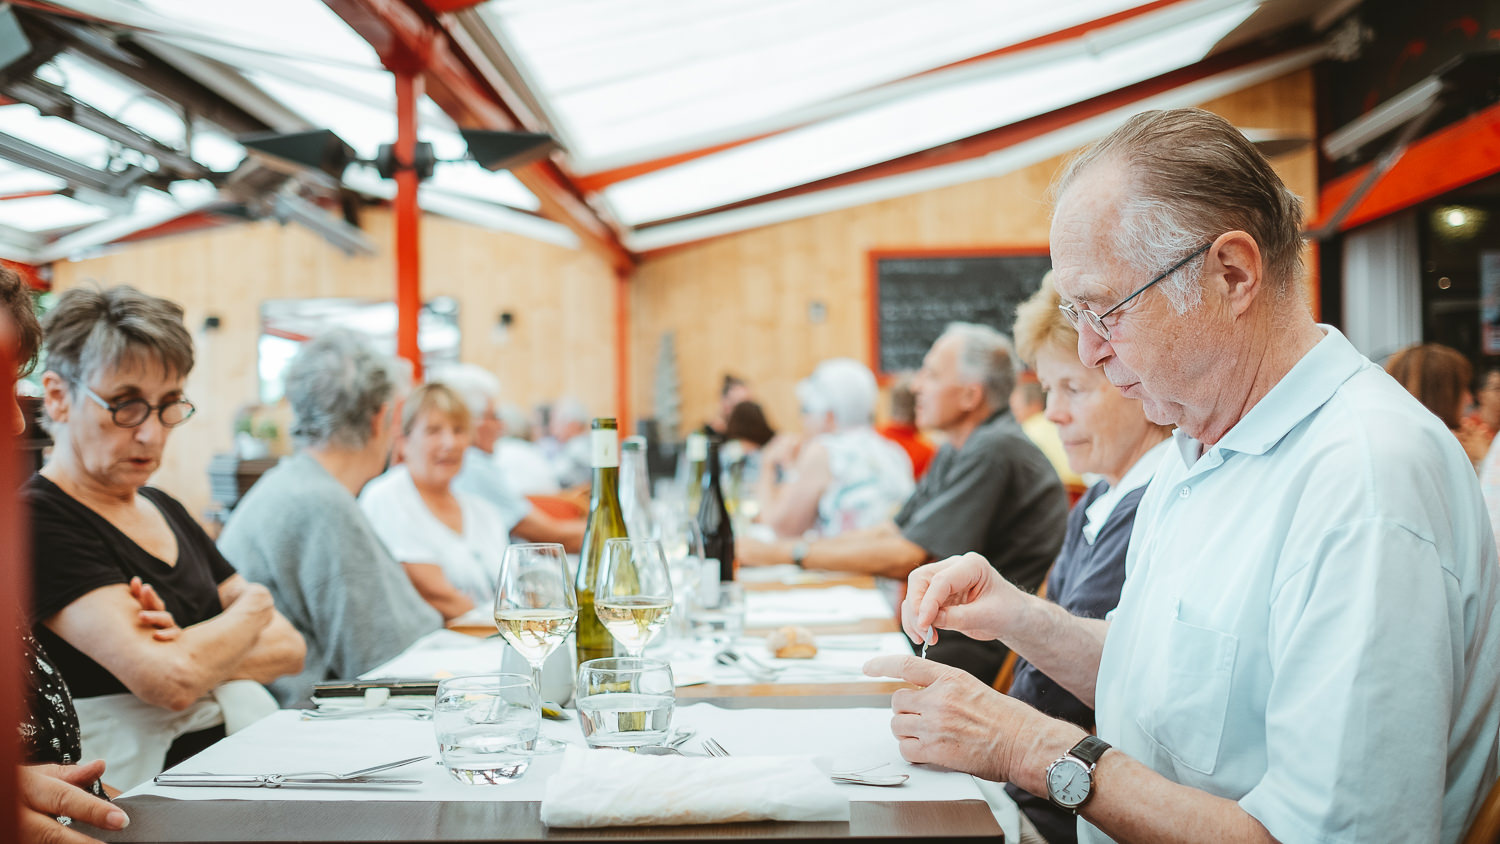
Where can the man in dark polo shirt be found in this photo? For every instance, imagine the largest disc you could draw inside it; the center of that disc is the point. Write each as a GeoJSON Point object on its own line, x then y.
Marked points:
{"type": "Point", "coordinates": [988, 490]}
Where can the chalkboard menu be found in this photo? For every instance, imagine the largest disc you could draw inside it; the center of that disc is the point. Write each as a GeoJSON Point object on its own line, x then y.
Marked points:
{"type": "Point", "coordinates": [915, 296]}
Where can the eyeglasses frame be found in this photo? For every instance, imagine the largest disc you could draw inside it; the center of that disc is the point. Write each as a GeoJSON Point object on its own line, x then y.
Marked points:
{"type": "Point", "coordinates": [1095, 321]}
{"type": "Point", "coordinates": [159, 409]}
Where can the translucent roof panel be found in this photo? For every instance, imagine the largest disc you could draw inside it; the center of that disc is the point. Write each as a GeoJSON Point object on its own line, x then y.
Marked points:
{"type": "Point", "coordinates": [305, 27]}
{"type": "Point", "coordinates": [638, 80]}
{"type": "Point", "coordinates": [116, 96]}
{"type": "Point", "coordinates": [984, 98]}
{"type": "Point", "coordinates": [15, 179]}
{"type": "Point", "coordinates": [46, 213]}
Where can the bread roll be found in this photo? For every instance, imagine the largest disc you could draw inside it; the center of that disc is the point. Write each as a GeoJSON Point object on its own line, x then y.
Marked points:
{"type": "Point", "coordinates": [792, 643]}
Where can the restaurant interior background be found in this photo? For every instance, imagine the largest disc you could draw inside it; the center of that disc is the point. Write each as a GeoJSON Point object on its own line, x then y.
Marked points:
{"type": "Point", "coordinates": [721, 182]}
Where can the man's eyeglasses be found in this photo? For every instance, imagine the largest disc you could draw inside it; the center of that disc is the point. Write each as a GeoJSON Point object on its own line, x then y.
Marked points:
{"type": "Point", "coordinates": [1095, 321]}
{"type": "Point", "coordinates": [132, 413]}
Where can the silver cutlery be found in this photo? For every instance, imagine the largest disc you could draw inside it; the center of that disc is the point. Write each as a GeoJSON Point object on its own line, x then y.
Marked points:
{"type": "Point", "coordinates": [420, 713]}
{"type": "Point", "coordinates": [855, 777]}
{"type": "Point", "coordinates": [756, 671]}
{"type": "Point", "coordinates": [359, 777]}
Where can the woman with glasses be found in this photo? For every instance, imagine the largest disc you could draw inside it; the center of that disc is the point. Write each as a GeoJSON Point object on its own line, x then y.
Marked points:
{"type": "Point", "coordinates": [116, 361]}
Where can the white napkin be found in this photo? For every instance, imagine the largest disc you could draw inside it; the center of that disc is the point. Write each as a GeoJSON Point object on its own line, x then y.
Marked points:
{"type": "Point", "coordinates": [598, 788]}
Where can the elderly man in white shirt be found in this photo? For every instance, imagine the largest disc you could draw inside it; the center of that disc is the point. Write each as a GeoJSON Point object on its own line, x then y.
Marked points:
{"type": "Point", "coordinates": [1306, 647]}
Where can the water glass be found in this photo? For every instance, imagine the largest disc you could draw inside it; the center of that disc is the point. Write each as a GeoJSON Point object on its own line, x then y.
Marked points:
{"type": "Point", "coordinates": [486, 725]}
{"type": "Point", "coordinates": [718, 614]}
{"type": "Point", "coordinates": [626, 701]}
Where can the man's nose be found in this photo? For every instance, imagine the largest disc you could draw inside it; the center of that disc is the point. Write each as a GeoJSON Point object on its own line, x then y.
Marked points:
{"type": "Point", "coordinates": [1093, 349]}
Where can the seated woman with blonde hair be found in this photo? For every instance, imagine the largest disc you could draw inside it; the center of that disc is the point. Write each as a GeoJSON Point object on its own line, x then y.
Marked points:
{"type": "Point", "coordinates": [450, 543]}
{"type": "Point", "coordinates": [116, 363]}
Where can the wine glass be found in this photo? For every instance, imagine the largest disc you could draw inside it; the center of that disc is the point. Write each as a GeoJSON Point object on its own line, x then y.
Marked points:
{"type": "Point", "coordinates": [536, 609]}
{"type": "Point", "coordinates": [633, 591]}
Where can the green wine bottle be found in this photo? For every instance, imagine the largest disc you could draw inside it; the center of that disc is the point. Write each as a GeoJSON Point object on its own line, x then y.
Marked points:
{"type": "Point", "coordinates": [606, 521]}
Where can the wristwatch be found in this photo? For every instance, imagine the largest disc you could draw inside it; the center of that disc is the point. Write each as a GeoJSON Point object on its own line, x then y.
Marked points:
{"type": "Point", "coordinates": [799, 553]}
{"type": "Point", "coordinates": [1070, 780]}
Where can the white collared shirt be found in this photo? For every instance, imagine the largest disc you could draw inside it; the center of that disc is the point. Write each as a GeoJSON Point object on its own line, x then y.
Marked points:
{"type": "Point", "coordinates": [1308, 624]}
{"type": "Point", "coordinates": [1137, 476]}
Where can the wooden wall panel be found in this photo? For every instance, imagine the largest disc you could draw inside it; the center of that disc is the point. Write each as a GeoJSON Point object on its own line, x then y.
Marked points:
{"type": "Point", "coordinates": [562, 341]}
{"type": "Point", "coordinates": [740, 303]}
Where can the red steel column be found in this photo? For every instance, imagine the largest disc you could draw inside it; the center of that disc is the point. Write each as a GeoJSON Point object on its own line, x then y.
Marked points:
{"type": "Point", "coordinates": [408, 221]}
{"type": "Point", "coordinates": [622, 351]}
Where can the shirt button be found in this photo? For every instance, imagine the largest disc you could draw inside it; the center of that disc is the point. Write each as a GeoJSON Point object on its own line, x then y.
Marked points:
{"type": "Point", "coordinates": [1184, 492]}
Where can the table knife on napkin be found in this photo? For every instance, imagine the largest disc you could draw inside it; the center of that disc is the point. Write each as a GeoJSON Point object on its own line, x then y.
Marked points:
{"type": "Point", "coordinates": [266, 780]}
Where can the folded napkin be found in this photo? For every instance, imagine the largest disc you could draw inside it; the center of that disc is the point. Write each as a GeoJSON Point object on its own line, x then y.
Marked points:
{"type": "Point", "coordinates": [597, 788]}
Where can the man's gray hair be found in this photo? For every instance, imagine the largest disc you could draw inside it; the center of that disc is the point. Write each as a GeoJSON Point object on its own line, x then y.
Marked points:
{"type": "Point", "coordinates": [569, 409]}
{"type": "Point", "coordinates": [986, 358]}
{"type": "Point", "coordinates": [335, 385]}
{"type": "Point", "coordinates": [90, 331]}
{"type": "Point", "coordinates": [1191, 177]}
{"type": "Point", "coordinates": [517, 423]}
{"type": "Point", "coordinates": [843, 387]}
{"type": "Point", "coordinates": [477, 386]}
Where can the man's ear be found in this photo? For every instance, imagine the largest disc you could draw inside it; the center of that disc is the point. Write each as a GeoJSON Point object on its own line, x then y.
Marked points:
{"type": "Point", "coordinates": [1234, 264]}
{"type": "Point", "coordinates": [971, 398]}
{"type": "Point", "coordinates": [55, 396]}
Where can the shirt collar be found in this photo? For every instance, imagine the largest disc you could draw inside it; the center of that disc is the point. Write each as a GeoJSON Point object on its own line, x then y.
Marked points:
{"type": "Point", "coordinates": [1308, 386]}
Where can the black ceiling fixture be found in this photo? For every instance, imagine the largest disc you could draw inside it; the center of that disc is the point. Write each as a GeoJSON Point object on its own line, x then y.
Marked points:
{"type": "Point", "coordinates": [324, 151]}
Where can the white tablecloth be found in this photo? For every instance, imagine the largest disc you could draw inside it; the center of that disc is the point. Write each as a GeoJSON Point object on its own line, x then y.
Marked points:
{"type": "Point", "coordinates": [847, 738]}
{"type": "Point", "coordinates": [814, 607]}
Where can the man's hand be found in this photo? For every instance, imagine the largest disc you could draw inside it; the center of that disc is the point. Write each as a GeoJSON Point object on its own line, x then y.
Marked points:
{"type": "Point", "coordinates": [753, 552]}
{"type": "Point", "coordinates": [52, 791]}
{"type": "Point", "coordinates": [964, 594]}
{"type": "Point", "coordinates": [153, 615]}
{"type": "Point", "coordinates": [953, 719]}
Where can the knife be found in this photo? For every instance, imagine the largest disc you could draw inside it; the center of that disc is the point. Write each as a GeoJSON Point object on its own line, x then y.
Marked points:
{"type": "Point", "coordinates": [266, 780]}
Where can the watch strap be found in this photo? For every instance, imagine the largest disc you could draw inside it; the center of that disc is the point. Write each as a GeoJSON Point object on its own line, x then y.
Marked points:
{"type": "Point", "coordinates": [1089, 750]}
{"type": "Point", "coordinates": [799, 552]}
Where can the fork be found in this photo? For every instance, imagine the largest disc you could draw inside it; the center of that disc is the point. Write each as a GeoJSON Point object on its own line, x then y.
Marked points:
{"type": "Point", "coordinates": [713, 748]}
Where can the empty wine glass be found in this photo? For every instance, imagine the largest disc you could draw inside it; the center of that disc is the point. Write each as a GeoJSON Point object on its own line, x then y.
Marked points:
{"type": "Point", "coordinates": [536, 608]}
{"type": "Point", "coordinates": [633, 591]}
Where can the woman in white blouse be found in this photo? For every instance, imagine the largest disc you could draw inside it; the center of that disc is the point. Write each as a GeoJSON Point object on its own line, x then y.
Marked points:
{"type": "Point", "coordinates": [449, 543]}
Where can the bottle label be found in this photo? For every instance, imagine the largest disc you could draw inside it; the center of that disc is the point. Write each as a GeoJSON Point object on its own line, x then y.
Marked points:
{"type": "Point", "coordinates": [697, 448]}
{"type": "Point", "coordinates": [606, 449]}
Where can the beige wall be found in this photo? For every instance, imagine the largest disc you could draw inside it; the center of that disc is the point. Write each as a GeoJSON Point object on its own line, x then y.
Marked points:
{"type": "Point", "coordinates": [740, 303]}
{"type": "Point", "coordinates": [562, 341]}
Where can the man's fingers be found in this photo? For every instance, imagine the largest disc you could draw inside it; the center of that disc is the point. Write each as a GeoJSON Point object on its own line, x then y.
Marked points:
{"type": "Point", "coordinates": [156, 618]}
{"type": "Point", "coordinates": [912, 669]}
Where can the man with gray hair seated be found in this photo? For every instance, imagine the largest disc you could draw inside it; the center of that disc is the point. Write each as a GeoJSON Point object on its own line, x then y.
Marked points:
{"type": "Point", "coordinates": [988, 490]}
{"type": "Point", "coordinates": [482, 476]}
{"type": "Point", "coordinates": [301, 533]}
{"type": "Point", "coordinates": [570, 427]}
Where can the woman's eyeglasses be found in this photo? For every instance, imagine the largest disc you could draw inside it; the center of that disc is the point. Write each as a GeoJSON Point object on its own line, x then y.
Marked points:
{"type": "Point", "coordinates": [132, 413]}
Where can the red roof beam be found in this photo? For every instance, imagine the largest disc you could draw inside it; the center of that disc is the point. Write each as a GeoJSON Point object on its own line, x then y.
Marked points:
{"type": "Point", "coordinates": [406, 37]}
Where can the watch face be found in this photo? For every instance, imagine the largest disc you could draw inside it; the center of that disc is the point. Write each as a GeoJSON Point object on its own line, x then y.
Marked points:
{"type": "Point", "coordinates": [1068, 782]}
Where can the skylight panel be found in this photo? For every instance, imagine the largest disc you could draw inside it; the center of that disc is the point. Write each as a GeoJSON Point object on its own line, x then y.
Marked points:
{"type": "Point", "coordinates": [627, 93]}
{"type": "Point", "coordinates": [916, 123]}
{"type": "Point", "coordinates": [45, 213]}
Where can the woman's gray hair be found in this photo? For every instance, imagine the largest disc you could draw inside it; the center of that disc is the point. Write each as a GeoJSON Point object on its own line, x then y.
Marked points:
{"type": "Point", "coordinates": [843, 387]}
{"type": "Point", "coordinates": [986, 358]}
{"type": "Point", "coordinates": [89, 331]}
{"type": "Point", "coordinates": [1192, 176]}
{"type": "Point", "coordinates": [477, 386]}
{"type": "Point", "coordinates": [335, 385]}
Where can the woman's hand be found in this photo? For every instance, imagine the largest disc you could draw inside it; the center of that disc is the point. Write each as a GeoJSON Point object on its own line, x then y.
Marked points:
{"type": "Point", "coordinates": [49, 792]}
{"type": "Point", "coordinates": [153, 615]}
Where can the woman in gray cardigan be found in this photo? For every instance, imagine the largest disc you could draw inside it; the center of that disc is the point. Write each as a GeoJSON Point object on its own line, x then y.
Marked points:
{"type": "Point", "coordinates": [300, 532]}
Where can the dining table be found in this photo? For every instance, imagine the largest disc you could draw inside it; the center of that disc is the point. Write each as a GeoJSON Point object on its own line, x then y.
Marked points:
{"type": "Point", "coordinates": [938, 805]}
{"type": "Point", "coordinates": [762, 706]}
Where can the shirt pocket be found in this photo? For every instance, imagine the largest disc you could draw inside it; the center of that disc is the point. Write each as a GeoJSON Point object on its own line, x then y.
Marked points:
{"type": "Point", "coordinates": [1185, 716]}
